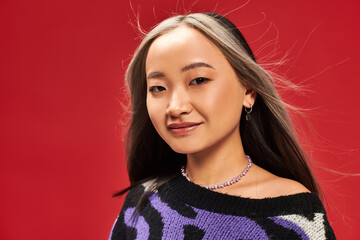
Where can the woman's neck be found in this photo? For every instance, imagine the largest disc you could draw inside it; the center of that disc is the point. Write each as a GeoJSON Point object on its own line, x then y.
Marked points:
{"type": "Point", "coordinates": [217, 164]}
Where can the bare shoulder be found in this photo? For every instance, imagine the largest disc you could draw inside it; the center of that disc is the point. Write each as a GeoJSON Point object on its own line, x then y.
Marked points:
{"type": "Point", "coordinates": [278, 186]}
{"type": "Point", "coordinates": [261, 183]}
{"type": "Point", "coordinates": [289, 186]}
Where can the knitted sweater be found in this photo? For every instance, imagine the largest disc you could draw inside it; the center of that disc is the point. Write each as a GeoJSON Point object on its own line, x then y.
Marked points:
{"type": "Point", "coordinates": [183, 210]}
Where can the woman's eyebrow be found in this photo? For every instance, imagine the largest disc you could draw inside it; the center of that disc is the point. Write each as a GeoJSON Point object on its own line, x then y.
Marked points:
{"type": "Point", "coordinates": [155, 75]}
{"type": "Point", "coordinates": [196, 65]}
{"type": "Point", "coordinates": [184, 69]}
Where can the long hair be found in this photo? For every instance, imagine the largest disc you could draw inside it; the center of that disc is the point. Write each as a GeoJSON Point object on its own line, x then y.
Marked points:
{"type": "Point", "coordinates": [268, 137]}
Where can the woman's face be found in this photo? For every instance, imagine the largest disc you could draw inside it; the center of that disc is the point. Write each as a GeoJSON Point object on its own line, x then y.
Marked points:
{"type": "Point", "coordinates": [194, 97]}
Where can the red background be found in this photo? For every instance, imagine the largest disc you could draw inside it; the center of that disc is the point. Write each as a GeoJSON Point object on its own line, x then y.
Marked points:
{"type": "Point", "coordinates": [61, 70]}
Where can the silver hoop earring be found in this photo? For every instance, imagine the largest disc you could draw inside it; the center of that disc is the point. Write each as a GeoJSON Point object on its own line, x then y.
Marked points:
{"type": "Point", "coordinates": [248, 116]}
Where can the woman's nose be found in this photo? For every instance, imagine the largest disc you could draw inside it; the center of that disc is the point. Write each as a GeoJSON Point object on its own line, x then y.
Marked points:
{"type": "Point", "coordinates": [179, 105]}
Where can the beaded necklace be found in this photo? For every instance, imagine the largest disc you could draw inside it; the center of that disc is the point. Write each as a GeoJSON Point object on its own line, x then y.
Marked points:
{"type": "Point", "coordinates": [225, 184]}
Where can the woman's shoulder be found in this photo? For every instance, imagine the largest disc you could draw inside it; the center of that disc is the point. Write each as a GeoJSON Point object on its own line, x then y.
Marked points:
{"type": "Point", "coordinates": [144, 186]}
{"type": "Point", "coordinates": [263, 184]}
{"type": "Point", "coordinates": [135, 193]}
{"type": "Point", "coordinates": [284, 186]}
{"type": "Point", "coordinates": [274, 186]}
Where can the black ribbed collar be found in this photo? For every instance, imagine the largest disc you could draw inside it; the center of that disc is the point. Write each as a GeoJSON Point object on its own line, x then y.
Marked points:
{"type": "Point", "coordinates": [194, 195]}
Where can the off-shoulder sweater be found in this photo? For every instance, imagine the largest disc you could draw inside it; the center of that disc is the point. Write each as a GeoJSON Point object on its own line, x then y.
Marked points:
{"type": "Point", "coordinates": [183, 210]}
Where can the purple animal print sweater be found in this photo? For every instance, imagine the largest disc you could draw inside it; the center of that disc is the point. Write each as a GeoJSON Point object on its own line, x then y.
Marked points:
{"type": "Point", "coordinates": [183, 210]}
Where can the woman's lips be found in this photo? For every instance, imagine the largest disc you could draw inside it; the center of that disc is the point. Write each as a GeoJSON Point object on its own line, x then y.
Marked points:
{"type": "Point", "coordinates": [182, 128]}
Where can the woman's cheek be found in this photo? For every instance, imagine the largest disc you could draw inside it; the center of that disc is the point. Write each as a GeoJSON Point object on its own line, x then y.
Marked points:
{"type": "Point", "coordinates": [216, 99]}
{"type": "Point", "coordinates": [156, 114]}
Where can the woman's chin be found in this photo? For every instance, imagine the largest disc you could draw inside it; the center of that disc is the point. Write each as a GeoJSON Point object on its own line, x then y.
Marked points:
{"type": "Point", "coordinates": [185, 149]}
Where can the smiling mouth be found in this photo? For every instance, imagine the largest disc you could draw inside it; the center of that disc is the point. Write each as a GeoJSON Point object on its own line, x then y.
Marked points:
{"type": "Point", "coordinates": [183, 128]}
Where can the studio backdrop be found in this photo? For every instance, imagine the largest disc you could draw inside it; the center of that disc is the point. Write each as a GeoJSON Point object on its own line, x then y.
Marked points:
{"type": "Point", "coordinates": [62, 103]}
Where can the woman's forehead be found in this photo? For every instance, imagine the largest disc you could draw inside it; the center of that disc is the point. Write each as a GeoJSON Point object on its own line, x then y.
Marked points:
{"type": "Point", "coordinates": [181, 45]}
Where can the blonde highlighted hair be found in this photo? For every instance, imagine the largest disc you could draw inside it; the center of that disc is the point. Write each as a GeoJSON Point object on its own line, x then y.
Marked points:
{"type": "Point", "coordinates": [268, 137]}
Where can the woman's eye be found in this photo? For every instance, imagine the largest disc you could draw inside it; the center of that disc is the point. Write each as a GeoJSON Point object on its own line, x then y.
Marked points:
{"type": "Point", "coordinates": [156, 89]}
{"type": "Point", "coordinates": [198, 81]}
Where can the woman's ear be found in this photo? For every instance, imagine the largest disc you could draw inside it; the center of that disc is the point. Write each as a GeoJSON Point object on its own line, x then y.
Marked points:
{"type": "Point", "coordinates": [249, 98]}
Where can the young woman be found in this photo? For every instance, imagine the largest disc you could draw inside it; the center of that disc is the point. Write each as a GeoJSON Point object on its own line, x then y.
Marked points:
{"type": "Point", "coordinates": [211, 150]}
